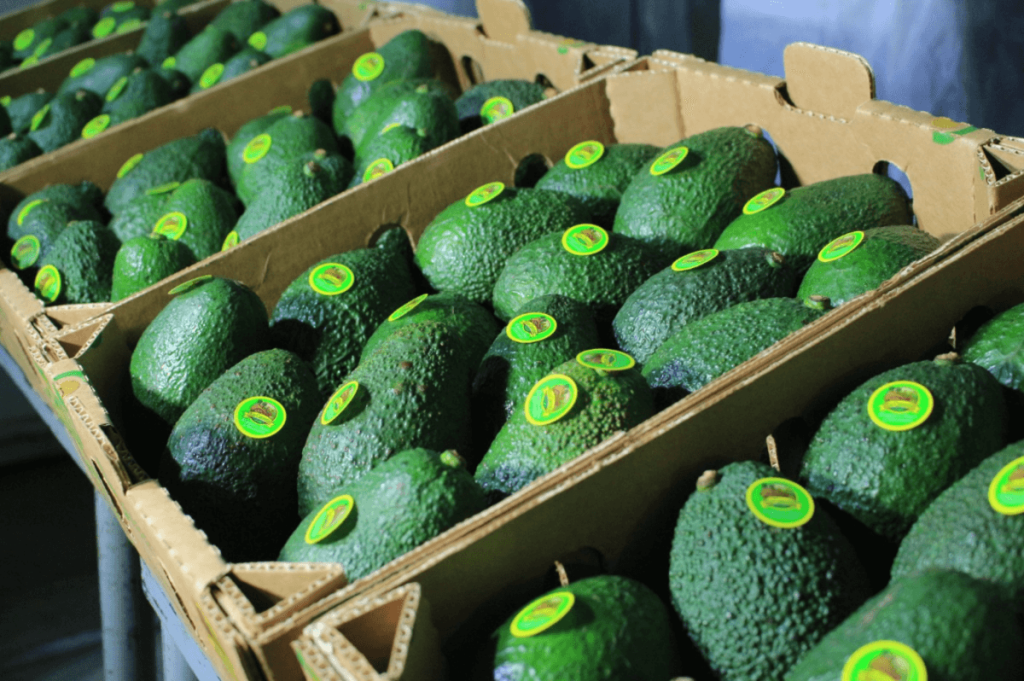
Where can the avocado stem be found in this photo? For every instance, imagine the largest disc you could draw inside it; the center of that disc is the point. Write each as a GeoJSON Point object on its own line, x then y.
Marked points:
{"type": "Point", "coordinates": [707, 480]}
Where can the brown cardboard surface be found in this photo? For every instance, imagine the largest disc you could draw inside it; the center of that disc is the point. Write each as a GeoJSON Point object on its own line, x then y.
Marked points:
{"type": "Point", "coordinates": [17, 334]}
{"type": "Point", "coordinates": [314, 665]}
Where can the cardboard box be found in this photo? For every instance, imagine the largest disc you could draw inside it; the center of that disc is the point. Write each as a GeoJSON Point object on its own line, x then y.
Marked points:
{"type": "Point", "coordinates": [13, 23]}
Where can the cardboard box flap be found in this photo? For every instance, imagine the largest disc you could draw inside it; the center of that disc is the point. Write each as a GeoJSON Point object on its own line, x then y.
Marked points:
{"type": "Point", "coordinates": [1003, 162]}
{"type": "Point", "coordinates": [230, 652]}
{"type": "Point", "coordinates": [314, 665]}
{"type": "Point", "coordinates": [64, 316]}
{"type": "Point", "coordinates": [504, 20]}
{"type": "Point", "coordinates": [826, 80]}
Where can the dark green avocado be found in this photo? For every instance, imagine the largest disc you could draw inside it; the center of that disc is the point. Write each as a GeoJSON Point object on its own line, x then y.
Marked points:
{"type": "Point", "coordinates": [996, 347]}
{"type": "Point", "coordinates": [517, 93]}
{"type": "Point", "coordinates": [82, 261]}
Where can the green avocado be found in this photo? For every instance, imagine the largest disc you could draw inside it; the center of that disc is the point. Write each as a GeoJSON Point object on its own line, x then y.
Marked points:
{"type": "Point", "coordinates": [61, 121]}
{"type": "Point", "coordinates": [423, 105]}
{"type": "Point", "coordinates": [30, 39]}
{"type": "Point", "coordinates": [210, 325]}
{"type": "Point", "coordinates": [236, 147]}
{"type": "Point", "coordinates": [5, 123]}
{"type": "Point", "coordinates": [208, 47]}
{"type": "Point", "coordinates": [754, 597]}
{"type": "Point", "coordinates": [996, 347]}
{"type": "Point", "coordinates": [295, 30]}
{"type": "Point", "coordinates": [886, 478]}
{"type": "Point", "coordinates": [180, 85]}
{"type": "Point", "coordinates": [22, 109]}
{"type": "Point", "coordinates": [80, 16]}
{"type": "Point", "coordinates": [81, 260]}
{"type": "Point", "coordinates": [56, 205]}
{"type": "Point", "coordinates": [402, 503]}
{"type": "Point", "coordinates": [64, 39]}
{"type": "Point", "coordinates": [232, 457]}
{"type": "Point", "coordinates": [199, 214]}
{"type": "Point", "coordinates": [123, 13]}
{"type": "Point", "coordinates": [139, 217]}
{"type": "Point", "coordinates": [242, 19]}
{"type": "Point", "coordinates": [519, 93]}
{"type": "Point", "coordinates": [137, 93]}
{"type": "Point", "coordinates": [145, 260]}
{"type": "Point", "coordinates": [398, 145]}
{"type": "Point", "coordinates": [241, 63]}
{"type": "Point", "coordinates": [99, 75]}
{"type": "Point", "coordinates": [15, 149]}
{"type": "Point", "coordinates": [165, 34]}
{"type": "Point", "coordinates": [321, 99]}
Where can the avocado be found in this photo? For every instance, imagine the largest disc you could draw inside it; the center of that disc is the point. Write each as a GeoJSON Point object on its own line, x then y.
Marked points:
{"type": "Point", "coordinates": [64, 39]}
{"type": "Point", "coordinates": [402, 503]}
{"type": "Point", "coordinates": [388, 150]}
{"type": "Point", "coordinates": [996, 347]}
{"type": "Point", "coordinates": [615, 628]}
{"type": "Point", "coordinates": [423, 105]}
{"type": "Point", "coordinates": [61, 121]}
{"type": "Point", "coordinates": [321, 98]}
{"type": "Point", "coordinates": [22, 109]}
{"type": "Point", "coordinates": [242, 62]}
{"type": "Point", "coordinates": [7, 55]}
{"type": "Point", "coordinates": [465, 247]}
{"type": "Point", "coordinates": [173, 5]}
{"type": "Point", "coordinates": [327, 314]}
{"type": "Point", "coordinates": [145, 260]}
{"type": "Point", "coordinates": [209, 46]}
{"type": "Point", "coordinates": [15, 149]}
{"type": "Point", "coordinates": [5, 123]}
{"type": "Point", "coordinates": [594, 405]}
{"type": "Point", "coordinates": [28, 41]}
{"type": "Point", "coordinates": [138, 93]}
{"type": "Point", "coordinates": [959, 627]}
{"type": "Point", "coordinates": [79, 265]}
{"type": "Point", "coordinates": [885, 478]}
{"type": "Point", "coordinates": [585, 262]}
{"type": "Point", "coordinates": [236, 147]}
{"type": "Point", "coordinates": [232, 457]}
{"type": "Point", "coordinates": [199, 214]}
{"type": "Point", "coordinates": [99, 75]}
{"type": "Point", "coordinates": [165, 34]}
{"type": "Point", "coordinates": [42, 216]}
{"type": "Point", "coordinates": [687, 205]}
{"type": "Point", "coordinates": [210, 325]}
{"type": "Point", "coordinates": [122, 12]}
{"type": "Point", "coordinates": [180, 85]}
{"type": "Point", "coordinates": [804, 220]}
{"type": "Point", "coordinates": [859, 261]}
{"type": "Point", "coordinates": [242, 19]}
{"type": "Point", "coordinates": [598, 175]}
{"type": "Point", "coordinates": [295, 30]}
{"type": "Point", "coordinates": [517, 95]}
{"type": "Point", "coordinates": [412, 392]}
{"type": "Point", "coordinates": [139, 217]}
{"type": "Point", "coordinates": [80, 16]}
{"type": "Point", "coordinates": [756, 597]}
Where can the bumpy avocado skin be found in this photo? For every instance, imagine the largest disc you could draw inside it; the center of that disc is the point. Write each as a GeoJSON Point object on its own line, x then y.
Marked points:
{"type": "Point", "coordinates": [412, 393]}
{"type": "Point", "coordinates": [464, 249]}
{"type": "Point", "coordinates": [22, 109]}
{"type": "Point", "coordinates": [103, 74]}
{"type": "Point", "coordinates": [687, 208]}
{"type": "Point", "coordinates": [240, 490]}
{"type": "Point", "coordinates": [242, 19]}
{"type": "Point", "coordinates": [199, 334]}
{"type": "Point", "coordinates": [84, 255]}
{"type": "Point", "coordinates": [607, 402]}
{"type": "Point", "coordinates": [63, 123]}
{"type": "Point", "coordinates": [755, 598]}
{"type": "Point", "coordinates": [883, 253]}
{"type": "Point", "coordinates": [959, 626]}
{"type": "Point", "coordinates": [15, 149]}
{"type": "Point", "coordinates": [996, 347]}
{"type": "Point", "coordinates": [208, 47]}
{"type": "Point", "coordinates": [886, 479]}
{"type": "Point", "coordinates": [143, 92]}
{"type": "Point", "coordinates": [670, 300]}
{"type": "Point", "coordinates": [402, 503]}
{"type": "Point", "coordinates": [239, 64]}
{"type": "Point", "coordinates": [165, 34]}
{"type": "Point", "coordinates": [139, 217]}
{"type": "Point", "coordinates": [58, 205]}
{"type": "Point", "coordinates": [617, 628]}
{"type": "Point", "coordinates": [522, 93]}
{"type": "Point", "coordinates": [398, 145]}
{"type": "Point", "coordinates": [145, 260]}
{"type": "Point", "coordinates": [210, 213]}
{"type": "Point", "coordinates": [805, 219]}
{"type": "Point", "coordinates": [236, 148]}
{"type": "Point", "coordinates": [299, 28]}
{"type": "Point", "coordinates": [419, 104]}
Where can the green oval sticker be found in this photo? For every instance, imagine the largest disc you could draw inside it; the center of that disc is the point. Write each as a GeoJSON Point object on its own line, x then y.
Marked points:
{"type": "Point", "coordinates": [257, 148]}
{"type": "Point", "coordinates": [669, 160]}
{"type": "Point", "coordinates": [407, 308]}
{"type": "Point", "coordinates": [25, 252]}
{"type": "Point", "coordinates": [885, 661]}
{"type": "Point", "coordinates": [259, 417]}
{"type": "Point", "coordinates": [485, 193]}
{"type": "Point", "coordinates": [531, 327]}
{"type": "Point", "coordinates": [606, 360]}
{"type": "Point", "coordinates": [766, 199]}
{"type": "Point", "coordinates": [39, 117]}
{"type": "Point", "coordinates": [83, 67]}
{"type": "Point", "coordinates": [542, 614]}
{"type": "Point", "coordinates": [129, 25]}
{"type": "Point", "coordinates": [692, 261]}
{"type": "Point", "coordinates": [780, 503]}
{"type": "Point", "coordinates": [211, 76]}
{"type": "Point", "coordinates": [842, 246]}
{"type": "Point", "coordinates": [41, 48]}
{"type": "Point", "coordinates": [496, 109]}
{"type": "Point", "coordinates": [5, 100]}
{"type": "Point", "coordinates": [230, 241]}
{"type": "Point", "coordinates": [24, 39]}
{"type": "Point", "coordinates": [29, 207]}
{"type": "Point", "coordinates": [551, 399]}
{"type": "Point", "coordinates": [390, 126]}
{"type": "Point", "coordinates": [190, 284]}
{"type": "Point", "coordinates": [1006, 491]}
{"type": "Point", "coordinates": [163, 188]}
{"type": "Point", "coordinates": [341, 398]}
{"type": "Point", "coordinates": [122, 6]}
{"type": "Point", "coordinates": [900, 405]}
{"type": "Point", "coordinates": [584, 154]}
{"type": "Point", "coordinates": [331, 278]}
{"type": "Point", "coordinates": [29, 61]}
{"type": "Point", "coordinates": [128, 165]}
{"type": "Point", "coordinates": [48, 283]}
{"type": "Point", "coordinates": [104, 27]}
{"type": "Point", "coordinates": [258, 40]}
{"type": "Point", "coordinates": [169, 63]}
{"type": "Point", "coordinates": [329, 518]}
{"type": "Point", "coordinates": [96, 126]}
{"type": "Point", "coordinates": [368, 67]}
{"type": "Point", "coordinates": [172, 225]}
{"type": "Point", "coordinates": [382, 166]}
{"type": "Point", "coordinates": [117, 88]}
{"type": "Point", "coordinates": [585, 239]}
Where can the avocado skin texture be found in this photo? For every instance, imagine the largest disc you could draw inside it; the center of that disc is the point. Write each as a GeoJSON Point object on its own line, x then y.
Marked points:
{"type": "Point", "coordinates": [180, 85]}
{"type": "Point", "coordinates": [66, 38]}
{"type": "Point", "coordinates": [236, 147]}
{"type": "Point", "coordinates": [103, 74]}
{"type": "Point", "coordinates": [22, 109]}
{"type": "Point", "coordinates": [603, 280]}
{"type": "Point", "coordinates": [959, 626]}
{"type": "Point", "coordinates": [84, 255]}
{"type": "Point", "coordinates": [144, 91]}
{"type": "Point", "coordinates": [210, 212]}
{"type": "Point", "coordinates": [69, 112]}
{"type": "Point", "coordinates": [419, 104]}
{"type": "Point", "coordinates": [406, 57]}
{"type": "Point", "coordinates": [298, 29]}
{"type": "Point", "coordinates": [412, 393]}
{"type": "Point", "coordinates": [200, 156]}
{"type": "Point", "coordinates": [398, 145]}
{"type": "Point", "coordinates": [522, 93]}
{"type": "Point", "coordinates": [241, 490]}
{"type": "Point", "coordinates": [688, 207]}
{"type": "Point", "coordinates": [5, 122]}
{"type": "Point", "coordinates": [61, 204]}
{"type": "Point", "coordinates": [464, 249]}
{"type": "Point", "coordinates": [329, 331]}
{"type": "Point", "coordinates": [669, 300]}
{"type": "Point", "coordinates": [145, 260]}
{"type": "Point", "coordinates": [165, 34]}
{"type": "Point", "coordinates": [240, 64]}
{"type": "Point", "coordinates": [600, 186]}
{"type": "Point", "coordinates": [209, 46]}
{"type": "Point", "coordinates": [755, 598]}
{"type": "Point", "coordinates": [199, 334]}
{"type": "Point", "coordinates": [996, 347]}
{"type": "Point", "coordinates": [15, 149]}
{"type": "Point", "coordinates": [139, 217]}
{"type": "Point", "coordinates": [47, 28]}
{"type": "Point", "coordinates": [703, 350]}
{"type": "Point", "coordinates": [402, 503]}
{"type": "Point", "coordinates": [886, 479]}
{"type": "Point", "coordinates": [617, 628]}
{"type": "Point", "coordinates": [321, 99]}
{"type": "Point", "coordinates": [607, 402]}
{"type": "Point", "coordinates": [242, 19]}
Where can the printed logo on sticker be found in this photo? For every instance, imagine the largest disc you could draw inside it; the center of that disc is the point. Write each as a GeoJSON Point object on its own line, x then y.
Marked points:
{"type": "Point", "coordinates": [551, 399]}
{"type": "Point", "coordinates": [39, 117]}
{"type": "Point", "coordinates": [542, 614]}
{"type": "Point", "coordinates": [104, 27]}
{"type": "Point", "coordinates": [885, 661]}
{"type": "Point", "coordinates": [496, 109]}
{"type": "Point", "coordinates": [163, 188]}
{"type": "Point", "coordinates": [339, 401]}
{"type": "Point", "coordinates": [368, 67]}
{"type": "Point", "coordinates": [669, 160]}
{"type": "Point", "coordinates": [1006, 491]}
{"type": "Point", "coordinates": [407, 308]}
{"type": "Point", "coordinates": [190, 284]}
{"type": "Point", "coordinates": [584, 154]}
{"type": "Point", "coordinates": [172, 225]}
{"type": "Point", "coordinates": [96, 126]}
{"type": "Point", "coordinates": [692, 261]}
{"type": "Point", "coordinates": [841, 246]}
{"type": "Point", "coordinates": [211, 76]}
{"type": "Point", "coordinates": [585, 239]}
{"type": "Point", "coordinates": [330, 518]}
{"type": "Point", "coordinates": [766, 199]}
{"type": "Point", "coordinates": [780, 503]}
{"type": "Point", "coordinates": [485, 193]}
{"type": "Point", "coordinates": [230, 241]}
{"type": "Point", "coordinates": [23, 213]}
{"type": "Point", "coordinates": [900, 405]}
{"type": "Point", "coordinates": [382, 166]}
{"type": "Point", "coordinates": [257, 148]}
{"type": "Point", "coordinates": [258, 40]}
{"type": "Point", "coordinates": [24, 39]}
{"type": "Point", "coordinates": [259, 417]}
{"type": "Point", "coordinates": [531, 327]}
{"type": "Point", "coordinates": [83, 67]}
{"type": "Point", "coordinates": [48, 283]}
{"type": "Point", "coordinates": [606, 360]}
{"type": "Point", "coordinates": [25, 252]}
{"type": "Point", "coordinates": [331, 278]}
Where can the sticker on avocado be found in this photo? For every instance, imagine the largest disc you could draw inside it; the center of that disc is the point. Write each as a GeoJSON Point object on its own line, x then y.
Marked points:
{"type": "Point", "coordinates": [117, 88]}
{"type": "Point", "coordinates": [129, 25]}
{"type": "Point", "coordinates": [169, 63]}
{"type": "Point", "coordinates": [96, 126]}
{"type": "Point", "coordinates": [692, 261]}
{"type": "Point", "coordinates": [496, 109]}
{"type": "Point", "coordinates": [390, 126]}
{"type": "Point", "coordinates": [766, 199]}
{"type": "Point", "coordinates": [122, 6]}
{"type": "Point", "coordinates": [531, 327]}
{"type": "Point", "coordinates": [42, 47]}
{"type": "Point", "coordinates": [331, 278]}
{"type": "Point", "coordinates": [189, 285]}
{"type": "Point", "coordinates": [258, 40]}
{"type": "Point", "coordinates": [606, 360]}
{"type": "Point", "coordinates": [485, 193]}
{"type": "Point", "coordinates": [669, 160]}
{"type": "Point", "coordinates": [407, 308]}
{"type": "Point", "coordinates": [48, 283]}
{"type": "Point", "coordinates": [172, 225]}
{"type": "Point", "coordinates": [257, 148]}
{"type": "Point", "coordinates": [329, 518]}
{"type": "Point", "coordinates": [25, 252]}
{"type": "Point", "coordinates": [368, 67]}
{"type": "Point", "coordinates": [211, 76]}
{"type": "Point", "coordinates": [29, 61]}
{"type": "Point", "coordinates": [339, 401]}
{"type": "Point", "coordinates": [283, 109]}
{"type": "Point", "coordinates": [23, 213]}
{"type": "Point", "coordinates": [24, 39]}
{"type": "Point", "coordinates": [163, 188]}
{"type": "Point", "coordinates": [885, 661]}
{"type": "Point", "coordinates": [104, 27]}
{"type": "Point", "coordinates": [779, 502]}
{"type": "Point", "coordinates": [551, 399]}
{"type": "Point", "coordinates": [585, 239]}
{"type": "Point", "coordinates": [584, 154]}
{"type": "Point", "coordinates": [1006, 491]}
{"type": "Point", "coordinates": [128, 165]}
{"type": "Point", "coordinates": [900, 405]}
{"type": "Point", "coordinates": [453, 459]}
{"type": "Point", "coordinates": [382, 166]}
{"type": "Point", "coordinates": [259, 417]}
{"type": "Point", "coordinates": [542, 614]}
{"type": "Point", "coordinates": [841, 246]}
{"type": "Point", "coordinates": [39, 117]}
{"type": "Point", "coordinates": [83, 67]}
{"type": "Point", "coordinates": [230, 241]}
{"type": "Point", "coordinates": [5, 100]}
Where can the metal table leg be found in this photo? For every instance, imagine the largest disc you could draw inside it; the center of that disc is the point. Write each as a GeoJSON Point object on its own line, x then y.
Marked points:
{"type": "Point", "coordinates": [175, 665]}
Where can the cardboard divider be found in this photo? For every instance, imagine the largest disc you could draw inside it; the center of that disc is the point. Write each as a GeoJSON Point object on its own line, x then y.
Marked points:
{"type": "Point", "coordinates": [313, 664]}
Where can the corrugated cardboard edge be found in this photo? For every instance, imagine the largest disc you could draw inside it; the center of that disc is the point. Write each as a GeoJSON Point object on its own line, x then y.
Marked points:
{"type": "Point", "coordinates": [18, 307]}
{"type": "Point", "coordinates": [313, 664]}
